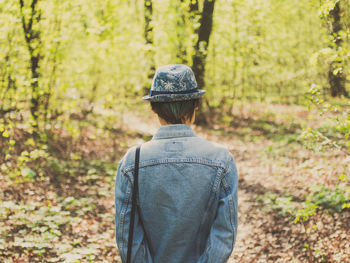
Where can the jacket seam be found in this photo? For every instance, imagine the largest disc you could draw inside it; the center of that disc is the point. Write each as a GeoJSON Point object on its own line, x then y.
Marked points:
{"type": "Point", "coordinates": [179, 135]}
{"type": "Point", "coordinates": [213, 191]}
{"type": "Point", "coordinates": [218, 178]}
{"type": "Point", "coordinates": [230, 201]}
{"type": "Point", "coordinates": [126, 202]}
{"type": "Point", "coordinates": [165, 161]}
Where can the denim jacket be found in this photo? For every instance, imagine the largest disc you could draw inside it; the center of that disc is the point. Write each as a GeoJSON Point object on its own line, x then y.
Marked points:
{"type": "Point", "coordinates": [187, 197]}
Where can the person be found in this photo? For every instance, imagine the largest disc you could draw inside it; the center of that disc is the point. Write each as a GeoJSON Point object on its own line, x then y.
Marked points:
{"type": "Point", "coordinates": [187, 185]}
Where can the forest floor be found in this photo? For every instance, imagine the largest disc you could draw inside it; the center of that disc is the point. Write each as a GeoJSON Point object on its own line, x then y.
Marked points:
{"type": "Point", "coordinates": [68, 215]}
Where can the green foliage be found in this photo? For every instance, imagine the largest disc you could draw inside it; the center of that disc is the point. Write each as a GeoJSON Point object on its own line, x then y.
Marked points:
{"type": "Point", "coordinates": [283, 204]}
{"type": "Point", "coordinates": [321, 200]}
{"type": "Point", "coordinates": [326, 7]}
{"type": "Point", "coordinates": [333, 58]}
{"type": "Point", "coordinates": [41, 227]}
{"type": "Point", "coordinates": [339, 124]}
{"type": "Point", "coordinates": [332, 199]}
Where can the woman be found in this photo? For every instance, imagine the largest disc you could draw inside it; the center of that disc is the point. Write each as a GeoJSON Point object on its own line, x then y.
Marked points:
{"type": "Point", "coordinates": [187, 185]}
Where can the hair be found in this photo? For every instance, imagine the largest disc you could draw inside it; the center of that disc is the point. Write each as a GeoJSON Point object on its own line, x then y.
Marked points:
{"type": "Point", "coordinates": [175, 112]}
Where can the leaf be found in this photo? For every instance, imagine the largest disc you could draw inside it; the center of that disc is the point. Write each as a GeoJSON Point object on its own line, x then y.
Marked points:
{"type": "Point", "coordinates": [27, 172]}
{"type": "Point", "coordinates": [5, 134]}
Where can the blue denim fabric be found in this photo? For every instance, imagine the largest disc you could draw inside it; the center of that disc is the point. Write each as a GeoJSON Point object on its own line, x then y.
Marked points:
{"type": "Point", "coordinates": [188, 199]}
{"type": "Point", "coordinates": [174, 82]}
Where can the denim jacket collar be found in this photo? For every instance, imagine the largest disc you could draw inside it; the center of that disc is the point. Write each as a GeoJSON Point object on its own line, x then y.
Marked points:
{"type": "Point", "coordinates": [173, 131]}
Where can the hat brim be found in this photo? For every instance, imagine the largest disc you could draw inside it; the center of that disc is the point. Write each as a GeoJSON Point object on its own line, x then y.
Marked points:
{"type": "Point", "coordinates": [174, 97]}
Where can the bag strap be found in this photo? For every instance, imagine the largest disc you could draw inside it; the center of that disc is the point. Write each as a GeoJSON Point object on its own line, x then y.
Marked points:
{"type": "Point", "coordinates": [134, 206]}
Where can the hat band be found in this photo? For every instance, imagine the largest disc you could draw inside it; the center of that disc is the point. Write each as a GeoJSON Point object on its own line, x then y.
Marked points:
{"type": "Point", "coordinates": [155, 92]}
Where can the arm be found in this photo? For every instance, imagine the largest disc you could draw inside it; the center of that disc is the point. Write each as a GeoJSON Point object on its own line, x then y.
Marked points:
{"type": "Point", "coordinates": [123, 194]}
{"type": "Point", "coordinates": [223, 232]}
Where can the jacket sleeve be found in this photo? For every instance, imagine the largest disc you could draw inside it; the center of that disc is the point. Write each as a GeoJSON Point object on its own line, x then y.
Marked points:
{"type": "Point", "coordinates": [223, 232]}
{"type": "Point", "coordinates": [123, 198]}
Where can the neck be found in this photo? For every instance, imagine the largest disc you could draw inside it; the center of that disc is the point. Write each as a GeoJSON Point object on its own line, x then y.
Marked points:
{"type": "Point", "coordinates": [188, 121]}
{"type": "Point", "coordinates": [163, 122]}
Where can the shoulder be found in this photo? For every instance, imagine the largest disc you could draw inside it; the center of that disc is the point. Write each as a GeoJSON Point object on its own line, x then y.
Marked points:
{"type": "Point", "coordinates": [128, 159]}
{"type": "Point", "coordinates": [216, 147]}
{"type": "Point", "coordinates": [215, 151]}
{"type": "Point", "coordinates": [229, 164]}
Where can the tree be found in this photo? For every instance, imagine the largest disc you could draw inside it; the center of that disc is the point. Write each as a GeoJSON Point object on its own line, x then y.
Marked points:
{"type": "Point", "coordinates": [8, 80]}
{"type": "Point", "coordinates": [201, 47]}
{"type": "Point", "coordinates": [148, 35]}
{"type": "Point", "coordinates": [30, 17]}
{"type": "Point", "coordinates": [336, 74]}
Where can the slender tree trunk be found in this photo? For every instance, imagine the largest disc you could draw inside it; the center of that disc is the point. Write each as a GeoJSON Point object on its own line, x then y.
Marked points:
{"type": "Point", "coordinates": [336, 78]}
{"type": "Point", "coordinates": [193, 13]}
{"type": "Point", "coordinates": [201, 47]}
{"type": "Point", "coordinates": [33, 41]}
{"type": "Point", "coordinates": [8, 83]}
{"type": "Point", "coordinates": [234, 53]}
{"type": "Point", "coordinates": [194, 8]}
{"type": "Point", "coordinates": [148, 34]}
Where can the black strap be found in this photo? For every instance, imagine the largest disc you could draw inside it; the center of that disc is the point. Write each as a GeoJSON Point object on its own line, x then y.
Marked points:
{"type": "Point", "coordinates": [134, 206]}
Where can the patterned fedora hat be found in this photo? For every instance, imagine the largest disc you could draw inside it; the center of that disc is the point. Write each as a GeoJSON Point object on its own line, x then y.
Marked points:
{"type": "Point", "coordinates": [174, 83]}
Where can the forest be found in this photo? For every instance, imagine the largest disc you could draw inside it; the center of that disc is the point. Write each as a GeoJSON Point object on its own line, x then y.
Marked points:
{"type": "Point", "coordinates": [277, 81]}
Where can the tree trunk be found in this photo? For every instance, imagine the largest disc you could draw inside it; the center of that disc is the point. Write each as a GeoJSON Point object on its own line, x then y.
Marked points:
{"type": "Point", "coordinates": [33, 41]}
{"type": "Point", "coordinates": [8, 83]}
{"type": "Point", "coordinates": [193, 8]}
{"type": "Point", "coordinates": [201, 50]}
{"type": "Point", "coordinates": [336, 78]}
{"type": "Point", "coordinates": [201, 47]}
{"type": "Point", "coordinates": [148, 34]}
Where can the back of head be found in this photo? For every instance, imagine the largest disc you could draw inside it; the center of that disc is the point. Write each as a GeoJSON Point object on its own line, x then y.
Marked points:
{"type": "Point", "coordinates": [176, 112]}
{"type": "Point", "coordinates": [174, 95]}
